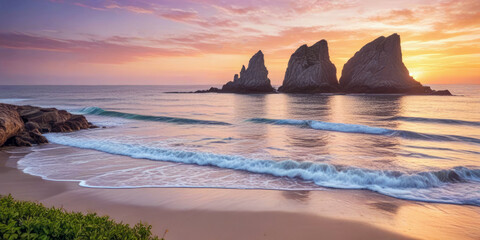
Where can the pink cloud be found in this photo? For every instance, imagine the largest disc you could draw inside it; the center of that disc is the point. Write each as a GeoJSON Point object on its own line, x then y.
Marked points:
{"type": "Point", "coordinates": [452, 14]}
{"type": "Point", "coordinates": [179, 15]}
{"type": "Point", "coordinates": [163, 9]}
{"type": "Point", "coordinates": [397, 17]}
{"type": "Point", "coordinates": [101, 51]}
{"type": "Point", "coordinates": [221, 13]}
{"type": "Point", "coordinates": [306, 6]}
{"type": "Point", "coordinates": [448, 27]}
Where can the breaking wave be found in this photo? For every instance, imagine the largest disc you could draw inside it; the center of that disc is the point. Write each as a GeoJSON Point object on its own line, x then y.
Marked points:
{"type": "Point", "coordinates": [434, 186]}
{"type": "Point", "coordinates": [12, 100]}
{"type": "Point", "coordinates": [357, 128]}
{"type": "Point", "coordinates": [107, 113]}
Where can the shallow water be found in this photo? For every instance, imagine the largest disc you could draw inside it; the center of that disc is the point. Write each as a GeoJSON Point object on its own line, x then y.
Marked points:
{"type": "Point", "coordinates": [424, 148]}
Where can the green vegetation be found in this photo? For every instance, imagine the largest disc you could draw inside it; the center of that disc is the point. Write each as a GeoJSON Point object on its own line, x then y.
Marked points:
{"type": "Point", "coordinates": [28, 220]}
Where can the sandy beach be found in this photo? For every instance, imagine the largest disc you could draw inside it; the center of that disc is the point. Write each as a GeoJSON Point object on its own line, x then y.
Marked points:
{"type": "Point", "coordinates": [250, 214]}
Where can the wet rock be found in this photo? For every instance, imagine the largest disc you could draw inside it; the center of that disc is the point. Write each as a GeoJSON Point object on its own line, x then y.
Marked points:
{"type": "Point", "coordinates": [24, 125]}
{"type": "Point", "coordinates": [30, 126]}
{"type": "Point", "coordinates": [212, 89]}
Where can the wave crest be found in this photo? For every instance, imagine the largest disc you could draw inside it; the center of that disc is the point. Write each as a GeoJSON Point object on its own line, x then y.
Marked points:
{"type": "Point", "coordinates": [357, 128]}
{"type": "Point", "coordinates": [107, 113]}
{"type": "Point", "coordinates": [392, 183]}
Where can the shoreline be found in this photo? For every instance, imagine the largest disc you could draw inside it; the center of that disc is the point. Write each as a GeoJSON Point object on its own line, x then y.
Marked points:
{"type": "Point", "coordinates": [192, 213]}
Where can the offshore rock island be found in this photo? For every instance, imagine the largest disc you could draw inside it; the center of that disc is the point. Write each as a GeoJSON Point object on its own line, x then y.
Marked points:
{"type": "Point", "coordinates": [377, 68]}
{"type": "Point", "coordinates": [253, 79]}
{"type": "Point", "coordinates": [310, 71]}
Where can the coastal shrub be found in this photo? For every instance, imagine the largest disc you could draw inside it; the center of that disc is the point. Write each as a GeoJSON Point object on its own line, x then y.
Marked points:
{"type": "Point", "coordinates": [29, 220]}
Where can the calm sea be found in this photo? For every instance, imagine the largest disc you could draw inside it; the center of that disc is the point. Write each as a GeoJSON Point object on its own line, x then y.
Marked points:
{"type": "Point", "coordinates": [424, 148]}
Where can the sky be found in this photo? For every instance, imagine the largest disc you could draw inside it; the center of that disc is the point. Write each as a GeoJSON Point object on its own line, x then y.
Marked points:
{"type": "Point", "coordinates": [176, 42]}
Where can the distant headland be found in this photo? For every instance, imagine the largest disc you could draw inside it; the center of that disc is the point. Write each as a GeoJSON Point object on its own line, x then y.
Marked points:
{"type": "Point", "coordinates": [377, 68]}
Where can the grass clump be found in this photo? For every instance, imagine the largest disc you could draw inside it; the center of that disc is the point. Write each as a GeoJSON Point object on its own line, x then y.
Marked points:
{"type": "Point", "coordinates": [28, 220]}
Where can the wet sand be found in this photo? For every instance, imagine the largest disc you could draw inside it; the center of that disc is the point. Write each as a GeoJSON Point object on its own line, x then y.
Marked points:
{"type": "Point", "coordinates": [251, 214]}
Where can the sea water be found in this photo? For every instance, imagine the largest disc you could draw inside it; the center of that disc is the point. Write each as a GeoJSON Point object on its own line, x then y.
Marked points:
{"type": "Point", "coordinates": [424, 148]}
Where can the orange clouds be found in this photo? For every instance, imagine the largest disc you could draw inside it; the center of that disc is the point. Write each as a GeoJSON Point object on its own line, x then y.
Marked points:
{"type": "Point", "coordinates": [397, 17]}
{"type": "Point", "coordinates": [438, 37]}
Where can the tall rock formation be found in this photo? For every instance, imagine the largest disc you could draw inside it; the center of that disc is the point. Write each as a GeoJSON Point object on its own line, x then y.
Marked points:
{"type": "Point", "coordinates": [310, 71]}
{"type": "Point", "coordinates": [378, 68]}
{"type": "Point", "coordinates": [253, 79]}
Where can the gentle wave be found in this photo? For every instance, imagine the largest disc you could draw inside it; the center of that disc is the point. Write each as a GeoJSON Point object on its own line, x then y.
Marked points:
{"type": "Point", "coordinates": [12, 100]}
{"type": "Point", "coordinates": [101, 112]}
{"type": "Point", "coordinates": [328, 126]}
{"type": "Point", "coordinates": [94, 169]}
{"type": "Point", "coordinates": [444, 149]}
{"type": "Point", "coordinates": [357, 128]}
{"type": "Point", "coordinates": [434, 120]}
{"type": "Point", "coordinates": [421, 186]}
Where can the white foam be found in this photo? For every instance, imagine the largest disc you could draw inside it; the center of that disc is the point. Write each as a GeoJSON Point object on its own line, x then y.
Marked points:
{"type": "Point", "coordinates": [350, 128]}
{"type": "Point", "coordinates": [415, 186]}
{"type": "Point", "coordinates": [327, 126]}
{"type": "Point", "coordinates": [102, 121]}
{"type": "Point", "coordinates": [357, 128]}
{"type": "Point", "coordinates": [101, 170]}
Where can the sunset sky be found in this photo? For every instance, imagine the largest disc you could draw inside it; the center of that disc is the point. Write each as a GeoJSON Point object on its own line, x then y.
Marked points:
{"type": "Point", "coordinates": [207, 41]}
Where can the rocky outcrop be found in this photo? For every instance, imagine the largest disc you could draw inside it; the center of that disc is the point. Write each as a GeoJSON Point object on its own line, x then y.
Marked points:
{"type": "Point", "coordinates": [378, 68]}
{"type": "Point", "coordinates": [52, 120]}
{"type": "Point", "coordinates": [24, 125]}
{"type": "Point", "coordinates": [10, 122]}
{"type": "Point", "coordinates": [253, 79]}
{"type": "Point", "coordinates": [212, 89]}
{"type": "Point", "coordinates": [310, 71]}
{"type": "Point", "coordinates": [439, 92]}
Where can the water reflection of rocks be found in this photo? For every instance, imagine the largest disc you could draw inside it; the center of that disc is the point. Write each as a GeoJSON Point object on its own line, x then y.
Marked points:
{"type": "Point", "coordinates": [304, 140]}
{"type": "Point", "coordinates": [298, 195]}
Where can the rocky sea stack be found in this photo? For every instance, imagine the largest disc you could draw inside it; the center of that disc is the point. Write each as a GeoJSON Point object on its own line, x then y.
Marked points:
{"type": "Point", "coordinates": [378, 68]}
{"type": "Point", "coordinates": [253, 79]}
{"type": "Point", "coordinates": [310, 71]}
{"type": "Point", "coordinates": [24, 125]}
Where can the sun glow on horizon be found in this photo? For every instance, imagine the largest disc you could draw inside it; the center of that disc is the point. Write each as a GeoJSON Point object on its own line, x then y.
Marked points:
{"type": "Point", "coordinates": [416, 74]}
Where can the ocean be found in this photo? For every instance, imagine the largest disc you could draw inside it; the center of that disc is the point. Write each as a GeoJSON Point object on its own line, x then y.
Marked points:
{"type": "Point", "coordinates": [421, 148]}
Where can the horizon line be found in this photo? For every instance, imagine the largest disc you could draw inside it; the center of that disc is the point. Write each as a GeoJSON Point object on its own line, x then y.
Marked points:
{"type": "Point", "coordinates": [183, 84]}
